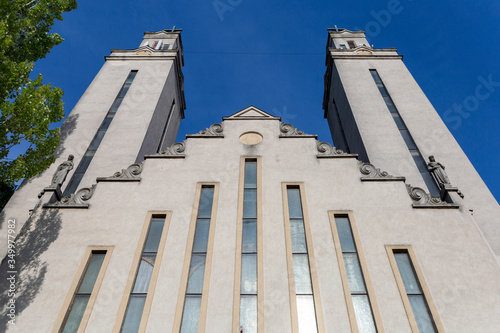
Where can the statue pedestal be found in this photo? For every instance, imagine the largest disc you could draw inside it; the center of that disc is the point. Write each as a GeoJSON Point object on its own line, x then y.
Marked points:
{"type": "Point", "coordinates": [50, 194]}
{"type": "Point", "coordinates": [448, 189]}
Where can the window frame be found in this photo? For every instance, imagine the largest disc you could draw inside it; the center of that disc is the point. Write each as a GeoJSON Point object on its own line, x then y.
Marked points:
{"type": "Point", "coordinates": [239, 240]}
{"type": "Point", "coordinates": [320, 323]}
{"type": "Point", "coordinates": [391, 249]}
{"type": "Point", "coordinates": [68, 302]}
{"type": "Point", "coordinates": [179, 312]}
{"type": "Point", "coordinates": [135, 268]}
{"type": "Point", "coordinates": [364, 270]}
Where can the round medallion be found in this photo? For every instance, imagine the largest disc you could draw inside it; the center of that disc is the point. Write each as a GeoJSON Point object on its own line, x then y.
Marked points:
{"type": "Point", "coordinates": [251, 138]}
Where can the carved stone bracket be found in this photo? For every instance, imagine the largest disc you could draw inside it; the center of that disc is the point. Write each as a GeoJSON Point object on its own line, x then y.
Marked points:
{"type": "Point", "coordinates": [422, 199]}
{"type": "Point", "coordinates": [174, 151]}
{"type": "Point", "coordinates": [327, 151]}
{"type": "Point", "coordinates": [288, 131]}
{"type": "Point", "coordinates": [80, 199]}
{"type": "Point", "coordinates": [131, 174]}
{"type": "Point", "coordinates": [214, 131]}
{"type": "Point", "coordinates": [375, 174]}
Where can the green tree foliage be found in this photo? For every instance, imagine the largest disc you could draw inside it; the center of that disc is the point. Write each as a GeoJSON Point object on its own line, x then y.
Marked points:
{"type": "Point", "coordinates": [27, 106]}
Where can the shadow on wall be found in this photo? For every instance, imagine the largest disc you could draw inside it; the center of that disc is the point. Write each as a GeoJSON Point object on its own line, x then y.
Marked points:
{"type": "Point", "coordinates": [67, 128]}
{"type": "Point", "coordinates": [34, 239]}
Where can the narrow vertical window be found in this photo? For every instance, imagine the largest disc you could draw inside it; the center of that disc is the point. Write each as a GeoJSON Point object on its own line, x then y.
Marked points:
{"type": "Point", "coordinates": [305, 305]}
{"type": "Point", "coordinates": [196, 276]}
{"type": "Point", "coordinates": [82, 296]}
{"type": "Point", "coordinates": [357, 286]}
{"type": "Point", "coordinates": [248, 286]}
{"type": "Point", "coordinates": [139, 291]}
{"type": "Point", "coordinates": [96, 141]}
{"type": "Point", "coordinates": [351, 44]}
{"type": "Point", "coordinates": [421, 311]}
{"type": "Point", "coordinates": [405, 134]}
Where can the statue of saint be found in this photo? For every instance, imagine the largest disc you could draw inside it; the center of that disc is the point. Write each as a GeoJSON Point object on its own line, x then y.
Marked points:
{"type": "Point", "coordinates": [62, 172]}
{"type": "Point", "coordinates": [437, 171]}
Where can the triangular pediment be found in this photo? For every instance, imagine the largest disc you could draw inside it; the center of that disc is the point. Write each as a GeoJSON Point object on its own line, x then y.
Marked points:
{"type": "Point", "coordinates": [251, 112]}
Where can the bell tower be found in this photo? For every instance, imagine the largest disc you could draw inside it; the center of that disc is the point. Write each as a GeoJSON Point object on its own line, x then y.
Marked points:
{"type": "Point", "coordinates": [376, 109]}
{"type": "Point", "coordinates": [132, 108]}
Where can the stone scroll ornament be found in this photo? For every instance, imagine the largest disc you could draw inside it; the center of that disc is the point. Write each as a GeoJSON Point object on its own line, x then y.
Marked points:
{"type": "Point", "coordinates": [132, 172]}
{"type": "Point", "coordinates": [177, 149]}
{"type": "Point", "coordinates": [289, 130]}
{"type": "Point", "coordinates": [80, 199]}
{"type": "Point", "coordinates": [62, 171]}
{"type": "Point", "coordinates": [421, 198]}
{"type": "Point", "coordinates": [214, 130]}
{"type": "Point", "coordinates": [326, 149]}
{"type": "Point", "coordinates": [370, 172]}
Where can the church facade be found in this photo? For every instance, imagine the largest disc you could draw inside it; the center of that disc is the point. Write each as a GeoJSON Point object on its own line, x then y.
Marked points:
{"type": "Point", "coordinates": [252, 225]}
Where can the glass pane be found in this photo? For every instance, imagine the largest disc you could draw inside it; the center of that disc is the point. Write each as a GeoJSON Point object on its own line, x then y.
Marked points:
{"type": "Point", "coordinates": [124, 90]}
{"type": "Point", "coordinates": [421, 312]}
{"type": "Point", "coordinates": [298, 236]}
{"type": "Point", "coordinates": [301, 274]}
{"type": "Point", "coordinates": [398, 120]}
{"type": "Point", "coordinates": [294, 204]}
{"type": "Point", "coordinates": [196, 274]}
{"type": "Point", "coordinates": [375, 75]}
{"type": "Point", "coordinates": [191, 314]}
{"type": "Point", "coordinates": [251, 175]}
{"type": "Point", "coordinates": [133, 316]}
{"type": "Point", "coordinates": [382, 89]}
{"type": "Point", "coordinates": [345, 234]}
{"type": "Point", "coordinates": [144, 273]}
{"type": "Point", "coordinates": [249, 242]}
{"type": "Point", "coordinates": [207, 197]}
{"type": "Point", "coordinates": [388, 101]}
{"type": "Point", "coordinates": [201, 235]}
{"type": "Point", "coordinates": [76, 313]}
{"type": "Point", "coordinates": [391, 106]}
{"type": "Point", "coordinates": [249, 274]}
{"type": "Point", "coordinates": [250, 203]}
{"type": "Point", "coordinates": [364, 317]}
{"type": "Point", "coordinates": [91, 273]}
{"type": "Point", "coordinates": [73, 184]}
{"type": "Point", "coordinates": [407, 274]}
{"type": "Point", "coordinates": [131, 77]}
{"type": "Point", "coordinates": [97, 140]}
{"type": "Point", "coordinates": [431, 184]}
{"type": "Point", "coordinates": [354, 275]}
{"type": "Point", "coordinates": [419, 161]}
{"type": "Point", "coordinates": [84, 164]}
{"type": "Point", "coordinates": [248, 314]}
{"type": "Point", "coordinates": [106, 122]}
{"type": "Point", "coordinates": [306, 314]}
{"type": "Point", "coordinates": [116, 105]}
{"type": "Point", "coordinates": [408, 139]}
{"type": "Point", "coordinates": [154, 235]}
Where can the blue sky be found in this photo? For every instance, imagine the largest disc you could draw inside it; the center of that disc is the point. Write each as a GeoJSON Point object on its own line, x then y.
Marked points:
{"type": "Point", "coordinates": [450, 47]}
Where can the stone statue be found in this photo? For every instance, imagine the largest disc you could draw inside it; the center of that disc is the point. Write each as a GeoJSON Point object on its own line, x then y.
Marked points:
{"type": "Point", "coordinates": [437, 171]}
{"type": "Point", "coordinates": [62, 171]}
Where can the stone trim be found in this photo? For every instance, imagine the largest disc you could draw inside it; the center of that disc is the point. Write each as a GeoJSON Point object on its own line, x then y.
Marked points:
{"type": "Point", "coordinates": [80, 199]}
{"type": "Point", "coordinates": [214, 131]}
{"type": "Point", "coordinates": [174, 151]}
{"type": "Point", "coordinates": [326, 150]}
{"type": "Point", "coordinates": [422, 199]}
{"type": "Point", "coordinates": [375, 174]}
{"type": "Point", "coordinates": [131, 174]}
{"type": "Point", "coordinates": [288, 131]}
